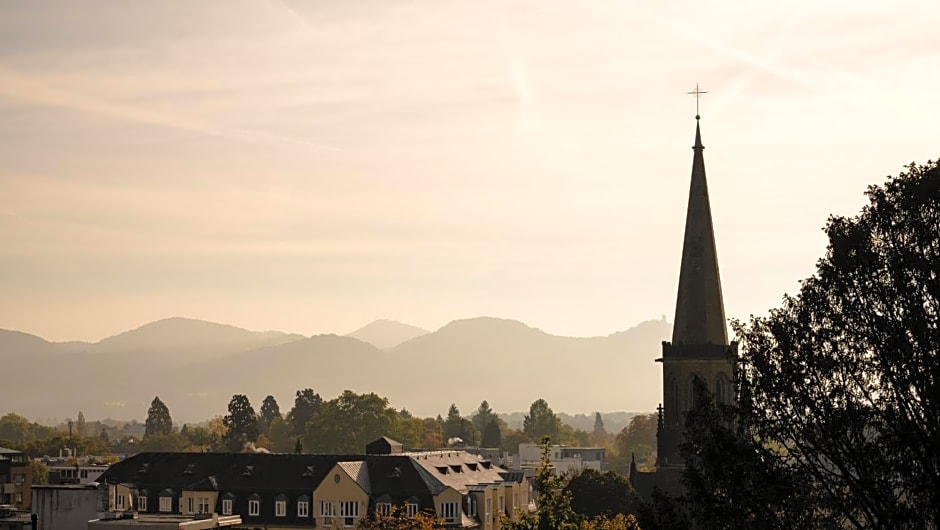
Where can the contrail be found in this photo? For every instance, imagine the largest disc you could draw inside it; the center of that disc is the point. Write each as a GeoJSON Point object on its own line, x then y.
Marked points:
{"type": "Point", "coordinates": [14, 85]}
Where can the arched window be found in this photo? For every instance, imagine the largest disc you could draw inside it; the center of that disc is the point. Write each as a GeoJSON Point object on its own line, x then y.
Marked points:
{"type": "Point", "coordinates": [722, 389]}
{"type": "Point", "coordinates": [672, 401]}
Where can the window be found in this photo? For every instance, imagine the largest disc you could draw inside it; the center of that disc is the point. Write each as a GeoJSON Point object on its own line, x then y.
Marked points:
{"type": "Point", "coordinates": [303, 509]}
{"type": "Point", "coordinates": [450, 511]}
{"type": "Point", "coordinates": [119, 502]}
{"type": "Point", "coordinates": [383, 508]}
{"type": "Point", "coordinates": [84, 473]}
{"type": "Point", "coordinates": [254, 507]}
{"type": "Point", "coordinates": [202, 504]}
{"type": "Point", "coordinates": [411, 509]}
{"type": "Point", "coordinates": [489, 508]}
{"type": "Point", "coordinates": [327, 512]}
{"type": "Point", "coordinates": [166, 504]}
{"type": "Point", "coordinates": [502, 504]}
{"type": "Point", "coordinates": [672, 402]}
{"type": "Point", "coordinates": [280, 508]}
{"type": "Point", "coordinates": [349, 511]}
{"type": "Point", "coordinates": [226, 506]}
{"type": "Point", "coordinates": [142, 503]}
{"type": "Point", "coordinates": [515, 500]}
{"type": "Point", "coordinates": [19, 498]}
{"type": "Point", "coordinates": [190, 503]}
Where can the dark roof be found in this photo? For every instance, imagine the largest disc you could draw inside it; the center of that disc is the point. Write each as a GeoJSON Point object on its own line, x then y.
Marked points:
{"type": "Point", "coordinates": [700, 312]}
{"type": "Point", "coordinates": [237, 472]}
{"type": "Point", "coordinates": [384, 446]}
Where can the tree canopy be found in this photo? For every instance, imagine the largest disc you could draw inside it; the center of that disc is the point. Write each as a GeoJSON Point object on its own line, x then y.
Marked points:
{"type": "Point", "coordinates": [306, 404]}
{"type": "Point", "coordinates": [839, 388]}
{"type": "Point", "coordinates": [349, 422]}
{"type": "Point", "coordinates": [269, 412]}
{"type": "Point", "coordinates": [158, 419]}
{"type": "Point", "coordinates": [541, 421]}
{"type": "Point", "coordinates": [241, 423]}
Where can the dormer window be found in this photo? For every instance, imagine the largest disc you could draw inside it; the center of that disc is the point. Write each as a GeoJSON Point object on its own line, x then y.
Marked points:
{"type": "Point", "coordinates": [472, 467]}
{"type": "Point", "coordinates": [307, 472]}
{"type": "Point", "coordinates": [457, 468]}
{"type": "Point", "coordinates": [247, 471]}
{"type": "Point", "coordinates": [441, 469]}
{"type": "Point", "coordinates": [189, 469]}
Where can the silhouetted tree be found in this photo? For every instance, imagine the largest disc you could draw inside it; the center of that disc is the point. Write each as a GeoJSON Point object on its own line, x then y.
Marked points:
{"type": "Point", "coordinates": [541, 421]}
{"type": "Point", "coordinates": [594, 493]}
{"type": "Point", "coordinates": [158, 419]}
{"type": "Point", "coordinates": [599, 429]}
{"type": "Point", "coordinates": [306, 404]}
{"type": "Point", "coordinates": [483, 416]}
{"type": "Point", "coordinates": [241, 423]}
{"type": "Point", "coordinates": [457, 426]}
{"type": "Point", "coordinates": [269, 412]}
{"type": "Point", "coordinates": [80, 424]}
{"type": "Point", "coordinates": [841, 385]}
{"type": "Point", "coordinates": [492, 436]}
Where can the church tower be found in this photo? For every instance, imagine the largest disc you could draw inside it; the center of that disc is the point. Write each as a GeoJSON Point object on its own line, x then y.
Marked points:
{"type": "Point", "coordinates": [699, 344]}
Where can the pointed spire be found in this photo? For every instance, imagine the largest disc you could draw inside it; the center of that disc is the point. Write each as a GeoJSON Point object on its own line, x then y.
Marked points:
{"type": "Point", "coordinates": [700, 313]}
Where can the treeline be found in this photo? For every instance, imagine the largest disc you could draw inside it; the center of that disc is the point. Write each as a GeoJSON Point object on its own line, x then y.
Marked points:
{"type": "Point", "coordinates": [343, 424]}
{"type": "Point", "coordinates": [346, 423]}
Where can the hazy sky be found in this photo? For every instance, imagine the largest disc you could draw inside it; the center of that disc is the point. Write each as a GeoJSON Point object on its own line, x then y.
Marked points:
{"type": "Point", "coordinates": [310, 166]}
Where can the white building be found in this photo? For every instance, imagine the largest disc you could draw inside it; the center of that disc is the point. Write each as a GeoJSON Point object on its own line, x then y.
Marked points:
{"type": "Point", "coordinates": [564, 458]}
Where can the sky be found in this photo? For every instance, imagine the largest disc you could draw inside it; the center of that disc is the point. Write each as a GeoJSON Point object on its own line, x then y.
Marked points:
{"type": "Point", "coordinates": [310, 166]}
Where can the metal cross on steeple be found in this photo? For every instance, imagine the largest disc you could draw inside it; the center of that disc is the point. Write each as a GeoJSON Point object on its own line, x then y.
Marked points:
{"type": "Point", "coordinates": [697, 93]}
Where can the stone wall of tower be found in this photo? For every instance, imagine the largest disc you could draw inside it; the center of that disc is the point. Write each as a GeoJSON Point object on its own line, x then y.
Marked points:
{"type": "Point", "coordinates": [714, 364]}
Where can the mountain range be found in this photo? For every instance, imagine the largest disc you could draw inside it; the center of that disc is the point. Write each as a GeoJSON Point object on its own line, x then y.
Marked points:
{"type": "Point", "coordinates": [196, 366]}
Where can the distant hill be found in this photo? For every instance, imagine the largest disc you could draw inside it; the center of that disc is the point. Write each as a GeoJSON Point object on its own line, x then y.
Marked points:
{"type": "Point", "coordinates": [188, 339]}
{"type": "Point", "coordinates": [17, 343]}
{"type": "Point", "coordinates": [386, 334]}
{"type": "Point", "coordinates": [511, 364]}
{"type": "Point", "coordinates": [195, 367]}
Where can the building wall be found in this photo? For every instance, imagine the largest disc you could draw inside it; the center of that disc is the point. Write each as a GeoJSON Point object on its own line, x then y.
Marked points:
{"type": "Point", "coordinates": [212, 497]}
{"type": "Point", "coordinates": [64, 508]}
{"type": "Point", "coordinates": [337, 487]}
{"type": "Point", "coordinates": [450, 495]}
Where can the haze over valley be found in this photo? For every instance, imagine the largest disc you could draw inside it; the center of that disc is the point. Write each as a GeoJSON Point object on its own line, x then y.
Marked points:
{"type": "Point", "coordinates": [196, 366]}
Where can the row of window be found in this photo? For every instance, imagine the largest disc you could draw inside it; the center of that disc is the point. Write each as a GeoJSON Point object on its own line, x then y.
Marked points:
{"type": "Point", "coordinates": [348, 510]}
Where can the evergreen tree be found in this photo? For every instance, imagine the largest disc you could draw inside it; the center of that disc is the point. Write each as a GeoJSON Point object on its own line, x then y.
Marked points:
{"type": "Point", "coordinates": [599, 429]}
{"type": "Point", "coordinates": [541, 421]}
{"type": "Point", "coordinates": [492, 436]}
{"type": "Point", "coordinates": [80, 424]}
{"type": "Point", "coordinates": [158, 419]}
{"type": "Point", "coordinates": [241, 423]}
{"type": "Point", "coordinates": [457, 426]}
{"type": "Point", "coordinates": [483, 416]}
{"type": "Point", "coordinates": [269, 412]}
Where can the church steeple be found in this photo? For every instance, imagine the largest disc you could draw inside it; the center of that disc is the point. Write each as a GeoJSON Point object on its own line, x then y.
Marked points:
{"type": "Point", "coordinates": [700, 313]}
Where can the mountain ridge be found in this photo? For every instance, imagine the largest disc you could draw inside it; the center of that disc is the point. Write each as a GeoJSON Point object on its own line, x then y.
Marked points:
{"type": "Point", "coordinates": [466, 361]}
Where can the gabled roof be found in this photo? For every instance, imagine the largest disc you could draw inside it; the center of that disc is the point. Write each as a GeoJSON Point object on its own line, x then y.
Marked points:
{"type": "Point", "coordinates": [359, 471]}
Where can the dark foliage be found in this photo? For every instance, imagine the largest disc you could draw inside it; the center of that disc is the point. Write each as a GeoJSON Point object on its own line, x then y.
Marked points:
{"type": "Point", "coordinates": [840, 387]}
